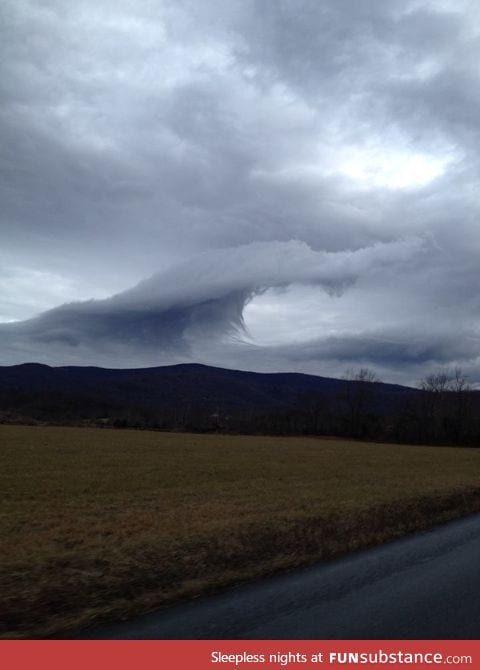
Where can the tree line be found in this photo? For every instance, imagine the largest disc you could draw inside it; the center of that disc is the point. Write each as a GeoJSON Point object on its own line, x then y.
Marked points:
{"type": "Point", "coordinates": [444, 409]}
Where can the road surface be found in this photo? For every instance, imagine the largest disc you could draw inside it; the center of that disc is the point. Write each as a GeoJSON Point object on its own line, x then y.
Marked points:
{"type": "Point", "coordinates": [425, 586]}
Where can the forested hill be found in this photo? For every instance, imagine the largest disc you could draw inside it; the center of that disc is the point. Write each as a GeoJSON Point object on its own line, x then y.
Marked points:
{"type": "Point", "coordinates": [199, 397]}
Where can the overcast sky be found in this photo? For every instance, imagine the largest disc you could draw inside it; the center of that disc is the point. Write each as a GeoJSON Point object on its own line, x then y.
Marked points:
{"type": "Point", "coordinates": [300, 178]}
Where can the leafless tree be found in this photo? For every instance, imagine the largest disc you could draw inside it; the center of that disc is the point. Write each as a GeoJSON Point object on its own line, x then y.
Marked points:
{"type": "Point", "coordinates": [361, 375]}
{"type": "Point", "coordinates": [446, 406]}
{"type": "Point", "coordinates": [358, 397]}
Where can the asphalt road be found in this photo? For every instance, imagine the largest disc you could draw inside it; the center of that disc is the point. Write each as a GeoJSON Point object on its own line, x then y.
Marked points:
{"type": "Point", "coordinates": [425, 586]}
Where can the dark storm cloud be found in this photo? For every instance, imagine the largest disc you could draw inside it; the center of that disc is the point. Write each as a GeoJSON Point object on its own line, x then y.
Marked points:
{"type": "Point", "coordinates": [380, 349]}
{"type": "Point", "coordinates": [142, 138]}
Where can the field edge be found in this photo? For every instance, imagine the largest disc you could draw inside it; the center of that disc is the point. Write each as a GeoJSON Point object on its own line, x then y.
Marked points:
{"type": "Point", "coordinates": [319, 540]}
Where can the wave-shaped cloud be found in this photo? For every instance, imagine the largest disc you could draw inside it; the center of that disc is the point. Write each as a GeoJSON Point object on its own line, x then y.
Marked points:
{"type": "Point", "coordinates": [175, 313]}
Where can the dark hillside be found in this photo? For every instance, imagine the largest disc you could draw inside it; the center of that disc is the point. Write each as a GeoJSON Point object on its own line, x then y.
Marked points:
{"type": "Point", "coordinates": [202, 398]}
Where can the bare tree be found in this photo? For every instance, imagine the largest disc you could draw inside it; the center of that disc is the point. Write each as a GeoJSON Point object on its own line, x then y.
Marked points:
{"type": "Point", "coordinates": [446, 405]}
{"type": "Point", "coordinates": [437, 382]}
{"type": "Point", "coordinates": [460, 418]}
{"type": "Point", "coordinates": [358, 396]}
{"type": "Point", "coordinates": [445, 381]}
{"type": "Point", "coordinates": [361, 375]}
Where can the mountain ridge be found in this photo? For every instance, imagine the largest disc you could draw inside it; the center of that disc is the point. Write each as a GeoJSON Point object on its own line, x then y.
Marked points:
{"type": "Point", "coordinates": [190, 395]}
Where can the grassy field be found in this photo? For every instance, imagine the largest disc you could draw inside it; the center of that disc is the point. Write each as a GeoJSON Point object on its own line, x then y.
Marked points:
{"type": "Point", "coordinates": [100, 524]}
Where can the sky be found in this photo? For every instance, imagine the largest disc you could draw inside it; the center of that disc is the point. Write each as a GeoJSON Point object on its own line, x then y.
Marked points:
{"type": "Point", "coordinates": [274, 186]}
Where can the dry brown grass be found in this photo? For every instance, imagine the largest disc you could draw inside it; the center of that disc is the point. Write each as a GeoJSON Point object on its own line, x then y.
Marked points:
{"type": "Point", "coordinates": [99, 524]}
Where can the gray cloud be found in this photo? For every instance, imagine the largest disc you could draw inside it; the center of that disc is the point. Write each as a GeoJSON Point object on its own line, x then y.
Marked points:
{"type": "Point", "coordinates": [177, 138]}
{"type": "Point", "coordinates": [174, 313]}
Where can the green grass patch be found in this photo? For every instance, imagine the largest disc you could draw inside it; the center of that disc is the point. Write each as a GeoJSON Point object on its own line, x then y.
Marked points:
{"type": "Point", "coordinates": [102, 524]}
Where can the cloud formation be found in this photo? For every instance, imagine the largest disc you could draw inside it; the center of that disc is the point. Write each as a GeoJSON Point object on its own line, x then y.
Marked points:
{"type": "Point", "coordinates": [189, 140]}
{"type": "Point", "coordinates": [195, 305]}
